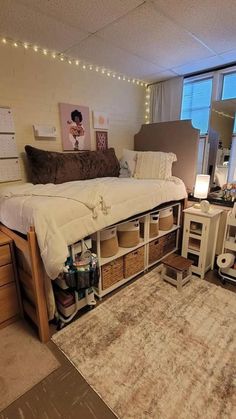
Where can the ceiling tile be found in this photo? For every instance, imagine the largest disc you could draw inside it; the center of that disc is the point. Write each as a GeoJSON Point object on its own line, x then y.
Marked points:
{"type": "Point", "coordinates": [153, 37]}
{"type": "Point", "coordinates": [212, 21]}
{"type": "Point", "coordinates": [99, 52]}
{"type": "Point", "coordinates": [164, 75]}
{"type": "Point", "coordinates": [21, 23]}
{"type": "Point", "coordinates": [195, 66]}
{"type": "Point", "coordinates": [83, 14]}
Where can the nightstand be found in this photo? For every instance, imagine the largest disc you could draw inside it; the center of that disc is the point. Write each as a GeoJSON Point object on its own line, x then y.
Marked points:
{"type": "Point", "coordinates": [199, 238]}
{"type": "Point", "coordinates": [10, 303]}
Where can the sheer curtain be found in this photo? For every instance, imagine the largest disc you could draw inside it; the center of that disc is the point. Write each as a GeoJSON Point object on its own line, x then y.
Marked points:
{"type": "Point", "coordinates": [165, 100]}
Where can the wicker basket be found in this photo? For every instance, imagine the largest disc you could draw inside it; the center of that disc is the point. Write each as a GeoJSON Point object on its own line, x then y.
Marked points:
{"type": "Point", "coordinates": [169, 242]}
{"type": "Point", "coordinates": [112, 272]}
{"type": "Point", "coordinates": [134, 262]}
{"type": "Point", "coordinates": [128, 234]}
{"type": "Point", "coordinates": [108, 242]}
{"type": "Point", "coordinates": [166, 220]}
{"type": "Point", "coordinates": [156, 249]}
{"type": "Point", "coordinates": [153, 226]}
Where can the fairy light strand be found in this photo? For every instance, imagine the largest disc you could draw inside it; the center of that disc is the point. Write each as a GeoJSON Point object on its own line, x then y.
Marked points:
{"type": "Point", "coordinates": [69, 60]}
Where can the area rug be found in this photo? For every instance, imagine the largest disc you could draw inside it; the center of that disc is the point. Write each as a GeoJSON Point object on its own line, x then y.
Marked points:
{"type": "Point", "coordinates": [150, 351]}
{"type": "Point", "coordinates": [24, 362]}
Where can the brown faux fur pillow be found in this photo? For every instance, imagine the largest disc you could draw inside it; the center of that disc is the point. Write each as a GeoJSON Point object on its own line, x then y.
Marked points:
{"type": "Point", "coordinates": [54, 167]}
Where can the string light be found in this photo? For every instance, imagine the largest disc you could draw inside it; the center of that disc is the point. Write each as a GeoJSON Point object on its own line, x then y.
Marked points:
{"type": "Point", "coordinates": [67, 59]}
{"type": "Point", "coordinates": [147, 104]}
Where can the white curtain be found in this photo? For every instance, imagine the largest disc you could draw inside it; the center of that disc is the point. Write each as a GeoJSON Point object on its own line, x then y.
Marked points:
{"type": "Point", "coordinates": [165, 100]}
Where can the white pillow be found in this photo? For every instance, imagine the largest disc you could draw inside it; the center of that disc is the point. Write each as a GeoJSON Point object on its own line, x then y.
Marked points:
{"type": "Point", "coordinates": [154, 165]}
{"type": "Point", "coordinates": [130, 157]}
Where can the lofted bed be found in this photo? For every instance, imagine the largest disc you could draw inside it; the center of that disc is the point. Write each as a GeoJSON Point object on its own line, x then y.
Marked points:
{"type": "Point", "coordinates": [34, 272]}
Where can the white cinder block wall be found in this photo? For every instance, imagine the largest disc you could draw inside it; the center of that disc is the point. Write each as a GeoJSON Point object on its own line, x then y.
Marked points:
{"type": "Point", "coordinates": [33, 84]}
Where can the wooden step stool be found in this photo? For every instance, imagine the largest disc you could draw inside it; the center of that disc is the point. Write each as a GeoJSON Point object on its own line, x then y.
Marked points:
{"type": "Point", "coordinates": [176, 270]}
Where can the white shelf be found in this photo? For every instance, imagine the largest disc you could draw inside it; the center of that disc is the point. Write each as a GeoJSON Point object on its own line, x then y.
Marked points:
{"type": "Point", "coordinates": [193, 251]}
{"type": "Point", "coordinates": [196, 234]}
{"type": "Point", "coordinates": [229, 271]}
{"type": "Point", "coordinates": [163, 233]}
{"type": "Point", "coordinates": [121, 252]}
{"type": "Point", "coordinates": [230, 245]}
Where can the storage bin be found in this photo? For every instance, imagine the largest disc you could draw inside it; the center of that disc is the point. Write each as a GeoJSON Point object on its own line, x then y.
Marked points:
{"type": "Point", "coordinates": [134, 262]}
{"type": "Point", "coordinates": [156, 250]}
{"type": "Point", "coordinates": [128, 234]}
{"type": "Point", "coordinates": [169, 243]}
{"type": "Point", "coordinates": [153, 226]}
{"type": "Point", "coordinates": [112, 272]}
{"type": "Point", "coordinates": [166, 219]}
{"type": "Point", "coordinates": [108, 242]}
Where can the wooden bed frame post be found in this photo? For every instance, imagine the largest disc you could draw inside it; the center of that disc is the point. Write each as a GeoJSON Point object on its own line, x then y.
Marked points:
{"type": "Point", "coordinates": [32, 283]}
{"type": "Point", "coordinates": [38, 274]}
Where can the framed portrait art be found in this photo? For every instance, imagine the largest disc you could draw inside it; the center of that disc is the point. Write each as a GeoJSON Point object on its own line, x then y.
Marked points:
{"type": "Point", "coordinates": [75, 127]}
{"type": "Point", "coordinates": [101, 140]}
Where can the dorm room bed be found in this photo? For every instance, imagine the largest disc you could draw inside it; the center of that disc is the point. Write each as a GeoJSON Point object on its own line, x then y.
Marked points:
{"type": "Point", "coordinates": [178, 137]}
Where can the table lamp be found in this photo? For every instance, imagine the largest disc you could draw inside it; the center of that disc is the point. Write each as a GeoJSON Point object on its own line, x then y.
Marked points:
{"type": "Point", "coordinates": [201, 192]}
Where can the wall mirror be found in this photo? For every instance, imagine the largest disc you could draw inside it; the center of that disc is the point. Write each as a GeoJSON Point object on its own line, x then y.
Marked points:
{"type": "Point", "coordinates": [222, 143]}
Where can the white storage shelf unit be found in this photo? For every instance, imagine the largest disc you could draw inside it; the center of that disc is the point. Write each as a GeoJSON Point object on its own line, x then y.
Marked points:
{"type": "Point", "coordinates": [151, 249]}
{"type": "Point", "coordinates": [230, 245]}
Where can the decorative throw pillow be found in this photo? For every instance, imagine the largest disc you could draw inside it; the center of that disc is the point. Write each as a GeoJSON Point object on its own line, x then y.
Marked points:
{"type": "Point", "coordinates": [154, 165]}
{"type": "Point", "coordinates": [42, 165]}
{"type": "Point", "coordinates": [54, 167]}
{"type": "Point", "coordinates": [124, 169]}
{"type": "Point", "coordinates": [130, 157]}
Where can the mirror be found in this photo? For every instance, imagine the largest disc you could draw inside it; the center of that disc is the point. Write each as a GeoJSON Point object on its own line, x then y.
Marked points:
{"type": "Point", "coordinates": [221, 128]}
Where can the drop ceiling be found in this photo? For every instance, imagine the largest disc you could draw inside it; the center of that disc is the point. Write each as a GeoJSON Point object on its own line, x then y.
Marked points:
{"type": "Point", "coordinates": [151, 40]}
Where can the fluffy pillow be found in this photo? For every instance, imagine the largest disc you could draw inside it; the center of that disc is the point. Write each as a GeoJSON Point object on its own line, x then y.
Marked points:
{"type": "Point", "coordinates": [54, 167]}
{"type": "Point", "coordinates": [130, 158]}
{"type": "Point", "coordinates": [154, 165]}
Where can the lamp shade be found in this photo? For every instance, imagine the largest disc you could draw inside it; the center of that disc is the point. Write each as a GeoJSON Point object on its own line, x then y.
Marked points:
{"type": "Point", "coordinates": [201, 186]}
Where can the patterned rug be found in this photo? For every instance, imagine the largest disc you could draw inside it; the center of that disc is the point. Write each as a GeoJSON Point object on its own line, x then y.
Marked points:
{"type": "Point", "coordinates": [152, 352]}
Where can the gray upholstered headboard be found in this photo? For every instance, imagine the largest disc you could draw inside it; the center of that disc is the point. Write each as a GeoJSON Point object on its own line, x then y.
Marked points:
{"type": "Point", "coordinates": [178, 137]}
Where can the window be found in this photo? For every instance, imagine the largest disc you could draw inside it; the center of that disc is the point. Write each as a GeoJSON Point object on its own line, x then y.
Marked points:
{"type": "Point", "coordinates": [229, 86]}
{"type": "Point", "coordinates": [196, 102]}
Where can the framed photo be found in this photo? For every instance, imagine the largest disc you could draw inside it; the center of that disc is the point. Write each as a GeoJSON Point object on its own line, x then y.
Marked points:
{"type": "Point", "coordinates": [101, 140]}
{"type": "Point", "coordinates": [75, 127]}
{"type": "Point", "coordinates": [100, 120]}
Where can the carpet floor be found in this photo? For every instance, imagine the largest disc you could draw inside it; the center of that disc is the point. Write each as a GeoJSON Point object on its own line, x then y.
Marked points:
{"type": "Point", "coordinates": [24, 361]}
{"type": "Point", "coordinates": [152, 352]}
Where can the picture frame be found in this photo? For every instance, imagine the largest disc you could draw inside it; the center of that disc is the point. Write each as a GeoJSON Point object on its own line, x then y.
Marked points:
{"type": "Point", "coordinates": [75, 127]}
{"type": "Point", "coordinates": [101, 140]}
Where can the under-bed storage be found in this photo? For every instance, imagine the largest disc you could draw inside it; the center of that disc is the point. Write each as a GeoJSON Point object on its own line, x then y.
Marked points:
{"type": "Point", "coordinates": [128, 262]}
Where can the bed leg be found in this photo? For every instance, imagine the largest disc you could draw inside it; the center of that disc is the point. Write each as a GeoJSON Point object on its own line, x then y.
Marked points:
{"type": "Point", "coordinates": [37, 274]}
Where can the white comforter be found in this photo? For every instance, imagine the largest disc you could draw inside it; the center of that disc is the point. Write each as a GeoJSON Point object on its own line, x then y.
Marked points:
{"type": "Point", "coordinates": [63, 214]}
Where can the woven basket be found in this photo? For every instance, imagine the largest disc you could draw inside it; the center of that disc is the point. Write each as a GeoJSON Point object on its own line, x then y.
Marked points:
{"type": "Point", "coordinates": [169, 242]}
{"type": "Point", "coordinates": [128, 234]}
{"type": "Point", "coordinates": [108, 242]}
{"type": "Point", "coordinates": [166, 219]}
{"type": "Point", "coordinates": [153, 226]}
{"type": "Point", "coordinates": [156, 249]}
{"type": "Point", "coordinates": [134, 262]}
{"type": "Point", "coordinates": [112, 272]}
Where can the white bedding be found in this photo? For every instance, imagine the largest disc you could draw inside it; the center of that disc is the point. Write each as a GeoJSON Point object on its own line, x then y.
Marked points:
{"type": "Point", "coordinates": [63, 214]}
